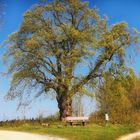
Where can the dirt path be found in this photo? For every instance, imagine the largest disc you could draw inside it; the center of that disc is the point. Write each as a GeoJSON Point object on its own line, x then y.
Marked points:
{"type": "Point", "coordinates": [132, 136]}
{"type": "Point", "coordinates": [11, 135]}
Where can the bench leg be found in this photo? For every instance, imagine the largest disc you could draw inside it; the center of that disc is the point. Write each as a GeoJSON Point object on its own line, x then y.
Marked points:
{"type": "Point", "coordinates": [83, 123]}
{"type": "Point", "coordinates": [71, 123]}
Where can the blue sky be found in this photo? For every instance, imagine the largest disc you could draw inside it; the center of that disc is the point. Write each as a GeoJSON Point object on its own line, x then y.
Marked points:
{"type": "Point", "coordinates": [116, 10]}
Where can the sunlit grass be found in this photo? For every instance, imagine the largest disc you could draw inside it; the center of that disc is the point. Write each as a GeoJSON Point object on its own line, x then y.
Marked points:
{"type": "Point", "coordinates": [89, 132]}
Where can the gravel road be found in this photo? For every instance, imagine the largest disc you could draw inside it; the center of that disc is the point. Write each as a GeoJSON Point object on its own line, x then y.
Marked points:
{"type": "Point", "coordinates": [11, 135]}
{"type": "Point", "coordinates": [132, 136]}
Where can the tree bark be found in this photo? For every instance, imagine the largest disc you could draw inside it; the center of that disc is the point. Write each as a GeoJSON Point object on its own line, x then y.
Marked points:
{"type": "Point", "coordinates": [65, 106]}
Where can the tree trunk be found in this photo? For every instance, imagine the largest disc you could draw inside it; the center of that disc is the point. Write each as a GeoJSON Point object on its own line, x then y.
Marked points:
{"type": "Point", "coordinates": [65, 106]}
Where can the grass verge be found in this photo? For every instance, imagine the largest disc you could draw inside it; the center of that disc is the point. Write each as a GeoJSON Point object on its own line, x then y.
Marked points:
{"type": "Point", "coordinates": [89, 132]}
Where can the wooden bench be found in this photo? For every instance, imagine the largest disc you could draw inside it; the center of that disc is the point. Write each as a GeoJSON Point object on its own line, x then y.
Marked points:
{"type": "Point", "coordinates": [75, 120]}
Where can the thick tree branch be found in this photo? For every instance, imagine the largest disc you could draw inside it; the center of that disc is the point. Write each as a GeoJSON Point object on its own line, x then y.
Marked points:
{"type": "Point", "coordinates": [93, 73]}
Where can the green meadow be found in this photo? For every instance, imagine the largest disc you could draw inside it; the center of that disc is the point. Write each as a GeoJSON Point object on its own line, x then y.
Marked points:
{"type": "Point", "coordinates": [88, 132]}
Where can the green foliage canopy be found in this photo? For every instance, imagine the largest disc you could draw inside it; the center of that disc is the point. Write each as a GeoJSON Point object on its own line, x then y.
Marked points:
{"type": "Point", "coordinates": [54, 39]}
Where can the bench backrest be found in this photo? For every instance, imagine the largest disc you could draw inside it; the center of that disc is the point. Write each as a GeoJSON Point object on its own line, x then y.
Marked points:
{"type": "Point", "coordinates": [77, 118]}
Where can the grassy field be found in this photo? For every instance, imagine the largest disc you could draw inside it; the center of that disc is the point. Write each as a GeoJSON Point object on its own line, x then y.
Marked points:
{"type": "Point", "coordinates": [89, 132]}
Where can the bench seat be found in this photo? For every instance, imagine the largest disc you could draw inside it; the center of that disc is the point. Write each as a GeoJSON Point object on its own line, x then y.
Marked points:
{"type": "Point", "coordinates": [74, 120]}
